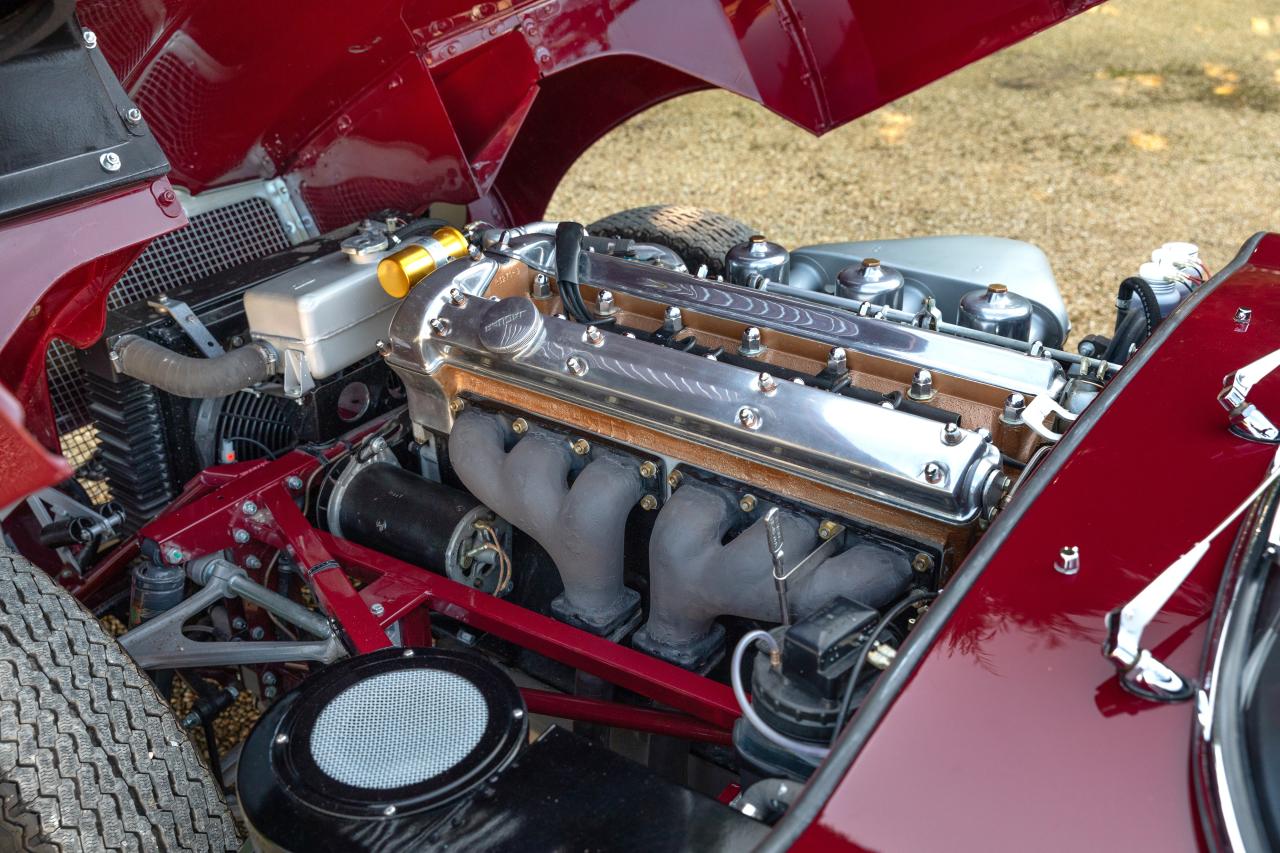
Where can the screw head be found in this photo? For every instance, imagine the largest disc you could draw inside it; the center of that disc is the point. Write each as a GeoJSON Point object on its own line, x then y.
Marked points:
{"type": "Point", "coordinates": [240, 535]}
{"type": "Point", "coordinates": [576, 365]}
{"type": "Point", "coordinates": [248, 507]}
{"type": "Point", "coordinates": [90, 38]}
{"type": "Point", "coordinates": [673, 480]}
{"type": "Point", "coordinates": [293, 482]}
{"type": "Point", "coordinates": [133, 116]}
{"type": "Point", "coordinates": [580, 446]}
{"type": "Point", "coordinates": [1068, 562]}
{"type": "Point", "coordinates": [922, 563]}
{"type": "Point", "coordinates": [440, 326]}
{"type": "Point", "coordinates": [648, 470]}
{"type": "Point", "coordinates": [377, 609]}
{"type": "Point", "coordinates": [648, 503]}
{"type": "Point", "coordinates": [1244, 315]}
{"type": "Point", "coordinates": [457, 404]}
{"type": "Point", "coordinates": [253, 563]}
{"type": "Point", "coordinates": [827, 529]}
{"type": "Point", "coordinates": [519, 426]}
{"type": "Point", "coordinates": [174, 555]}
{"type": "Point", "coordinates": [749, 417]}
{"type": "Point", "coordinates": [257, 633]}
{"type": "Point", "coordinates": [934, 473]}
{"type": "Point", "coordinates": [952, 435]}
{"type": "Point", "coordinates": [238, 623]}
{"type": "Point", "coordinates": [747, 503]}
{"type": "Point", "coordinates": [110, 162]}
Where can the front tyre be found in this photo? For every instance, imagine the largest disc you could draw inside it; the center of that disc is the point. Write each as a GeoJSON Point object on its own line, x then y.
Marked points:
{"type": "Point", "coordinates": [91, 757]}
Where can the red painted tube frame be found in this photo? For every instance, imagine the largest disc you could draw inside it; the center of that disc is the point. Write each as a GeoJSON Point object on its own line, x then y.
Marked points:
{"type": "Point", "coordinates": [254, 498]}
{"type": "Point", "coordinates": [623, 716]}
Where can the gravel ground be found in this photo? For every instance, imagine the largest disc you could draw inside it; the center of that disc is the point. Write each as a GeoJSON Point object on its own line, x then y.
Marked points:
{"type": "Point", "coordinates": [1133, 124]}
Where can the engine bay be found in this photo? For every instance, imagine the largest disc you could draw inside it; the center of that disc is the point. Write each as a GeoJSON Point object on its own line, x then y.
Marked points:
{"type": "Point", "coordinates": [428, 491]}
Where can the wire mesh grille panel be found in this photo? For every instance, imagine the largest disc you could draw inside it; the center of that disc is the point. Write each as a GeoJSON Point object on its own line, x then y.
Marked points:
{"type": "Point", "coordinates": [213, 241]}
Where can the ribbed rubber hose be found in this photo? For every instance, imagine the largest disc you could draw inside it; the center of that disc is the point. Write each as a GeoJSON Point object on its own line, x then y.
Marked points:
{"type": "Point", "coordinates": [198, 378]}
{"type": "Point", "coordinates": [1130, 287]}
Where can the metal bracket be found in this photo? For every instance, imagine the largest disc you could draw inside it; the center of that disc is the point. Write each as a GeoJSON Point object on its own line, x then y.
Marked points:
{"type": "Point", "coordinates": [189, 323]}
{"type": "Point", "coordinates": [1246, 420]}
{"type": "Point", "coordinates": [160, 644]}
{"type": "Point", "coordinates": [1140, 672]}
{"type": "Point", "coordinates": [50, 505]}
{"type": "Point", "coordinates": [1040, 408]}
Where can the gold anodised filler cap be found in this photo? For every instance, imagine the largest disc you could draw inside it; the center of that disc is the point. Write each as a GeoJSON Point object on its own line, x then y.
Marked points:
{"type": "Point", "coordinates": [399, 272]}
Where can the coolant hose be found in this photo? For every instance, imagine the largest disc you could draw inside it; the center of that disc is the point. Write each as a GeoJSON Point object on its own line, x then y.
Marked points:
{"type": "Point", "coordinates": [1130, 287]}
{"type": "Point", "coordinates": [198, 378]}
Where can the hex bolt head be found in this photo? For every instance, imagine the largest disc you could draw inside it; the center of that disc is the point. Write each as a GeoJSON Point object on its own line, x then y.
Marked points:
{"type": "Point", "coordinates": [238, 623]}
{"type": "Point", "coordinates": [934, 473]}
{"type": "Point", "coordinates": [838, 360]}
{"type": "Point", "coordinates": [648, 470]}
{"type": "Point", "coordinates": [519, 426]}
{"type": "Point", "coordinates": [604, 303]}
{"type": "Point", "coordinates": [457, 404]}
{"type": "Point", "coordinates": [90, 38]}
{"type": "Point", "coordinates": [440, 326]}
{"type": "Point", "coordinates": [541, 286]}
{"type": "Point", "coordinates": [249, 507]}
{"type": "Point", "coordinates": [921, 386]}
{"type": "Point", "coordinates": [593, 336]}
{"type": "Point", "coordinates": [648, 503]}
{"type": "Point", "coordinates": [672, 319]}
{"type": "Point", "coordinates": [922, 563]}
{"type": "Point", "coordinates": [269, 677]}
{"type": "Point", "coordinates": [1068, 562]}
{"type": "Point", "coordinates": [674, 479]}
{"type": "Point", "coordinates": [767, 383]}
{"type": "Point", "coordinates": [952, 434]}
{"type": "Point", "coordinates": [252, 563]}
{"type": "Point", "coordinates": [270, 692]}
{"type": "Point", "coordinates": [110, 162]}
{"type": "Point", "coordinates": [747, 503]}
{"type": "Point", "coordinates": [133, 116]}
{"type": "Point", "coordinates": [457, 297]}
{"type": "Point", "coordinates": [293, 482]}
{"type": "Point", "coordinates": [257, 633]}
{"type": "Point", "coordinates": [749, 417]}
{"type": "Point", "coordinates": [240, 535]}
{"type": "Point", "coordinates": [174, 554]}
{"type": "Point", "coordinates": [377, 609]}
{"type": "Point", "coordinates": [751, 343]}
{"type": "Point", "coordinates": [576, 365]}
{"type": "Point", "coordinates": [580, 446]}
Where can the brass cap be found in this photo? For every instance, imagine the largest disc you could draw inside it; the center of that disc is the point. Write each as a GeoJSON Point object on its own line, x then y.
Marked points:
{"type": "Point", "coordinates": [997, 288]}
{"type": "Point", "coordinates": [399, 272]}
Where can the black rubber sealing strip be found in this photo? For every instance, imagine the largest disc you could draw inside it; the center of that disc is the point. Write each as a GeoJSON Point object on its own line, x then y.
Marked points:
{"type": "Point", "coordinates": [918, 643]}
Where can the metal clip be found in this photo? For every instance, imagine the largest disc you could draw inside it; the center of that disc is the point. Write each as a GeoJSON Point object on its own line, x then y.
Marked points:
{"type": "Point", "coordinates": [1246, 420]}
{"type": "Point", "coordinates": [1040, 408]}
{"type": "Point", "coordinates": [189, 323]}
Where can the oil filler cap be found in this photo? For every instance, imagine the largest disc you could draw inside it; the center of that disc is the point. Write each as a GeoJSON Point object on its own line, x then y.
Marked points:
{"type": "Point", "coordinates": [510, 325]}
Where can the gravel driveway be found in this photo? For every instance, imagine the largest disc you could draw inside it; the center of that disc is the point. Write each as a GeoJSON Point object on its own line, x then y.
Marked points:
{"type": "Point", "coordinates": [1133, 124]}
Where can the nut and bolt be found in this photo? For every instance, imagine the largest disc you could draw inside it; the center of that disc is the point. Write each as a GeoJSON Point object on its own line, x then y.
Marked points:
{"type": "Point", "coordinates": [238, 624]}
{"type": "Point", "coordinates": [269, 677]}
{"type": "Point", "coordinates": [1014, 405]}
{"type": "Point", "coordinates": [90, 38]}
{"type": "Point", "coordinates": [749, 417]}
{"type": "Point", "coordinates": [270, 692]}
{"type": "Point", "coordinates": [649, 503]}
{"type": "Point", "coordinates": [174, 555]}
{"type": "Point", "coordinates": [541, 286]}
{"type": "Point", "coordinates": [249, 508]}
{"type": "Point", "coordinates": [827, 529]}
{"type": "Point", "coordinates": [440, 326]}
{"type": "Point", "coordinates": [921, 386]}
{"type": "Point", "coordinates": [593, 336]}
{"type": "Point", "coordinates": [673, 480]}
{"type": "Point", "coordinates": [257, 633]}
{"type": "Point", "coordinates": [1068, 562]}
{"type": "Point", "coordinates": [767, 383]}
{"type": "Point", "coordinates": [838, 361]}
{"type": "Point", "coordinates": [751, 343]}
{"type": "Point", "coordinates": [922, 563]}
{"type": "Point", "coordinates": [672, 320]}
{"type": "Point", "coordinates": [1244, 315]}
{"type": "Point", "coordinates": [378, 445]}
{"type": "Point", "coordinates": [576, 365]}
{"type": "Point", "coordinates": [377, 609]}
{"type": "Point", "coordinates": [293, 482]}
{"type": "Point", "coordinates": [383, 347]}
{"type": "Point", "coordinates": [519, 426]}
{"type": "Point", "coordinates": [747, 503]}
{"type": "Point", "coordinates": [604, 303]}
{"type": "Point", "coordinates": [951, 434]}
{"type": "Point", "coordinates": [580, 446]}
{"type": "Point", "coordinates": [934, 473]}
{"type": "Point", "coordinates": [110, 162]}
{"type": "Point", "coordinates": [240, 535]}
{"type": "Point", "coordinates": [457, 297]}
{"type": "Point", "coordinates": [252, 563]}
{"type": "Point", "coordinates": [648, 470]}
{"type": "Point", "coordinates": [457, 404]}
{"type": "Point", "coordinates": [133, 116]}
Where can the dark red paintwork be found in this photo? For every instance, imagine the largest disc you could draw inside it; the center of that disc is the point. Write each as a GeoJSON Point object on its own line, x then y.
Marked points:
{"type": "Point", "coordinates": [402, 102]}
{"type": "Point", "coordinates": [1013, 733]}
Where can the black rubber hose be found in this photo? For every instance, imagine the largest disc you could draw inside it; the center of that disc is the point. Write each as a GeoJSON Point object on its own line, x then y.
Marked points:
{"type": "Point", "coordinates": [568, 257]}
{"type": "Point", "coordinates": [1151, 315]}
{"type": "Point", "coordinates": [198, 378]}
